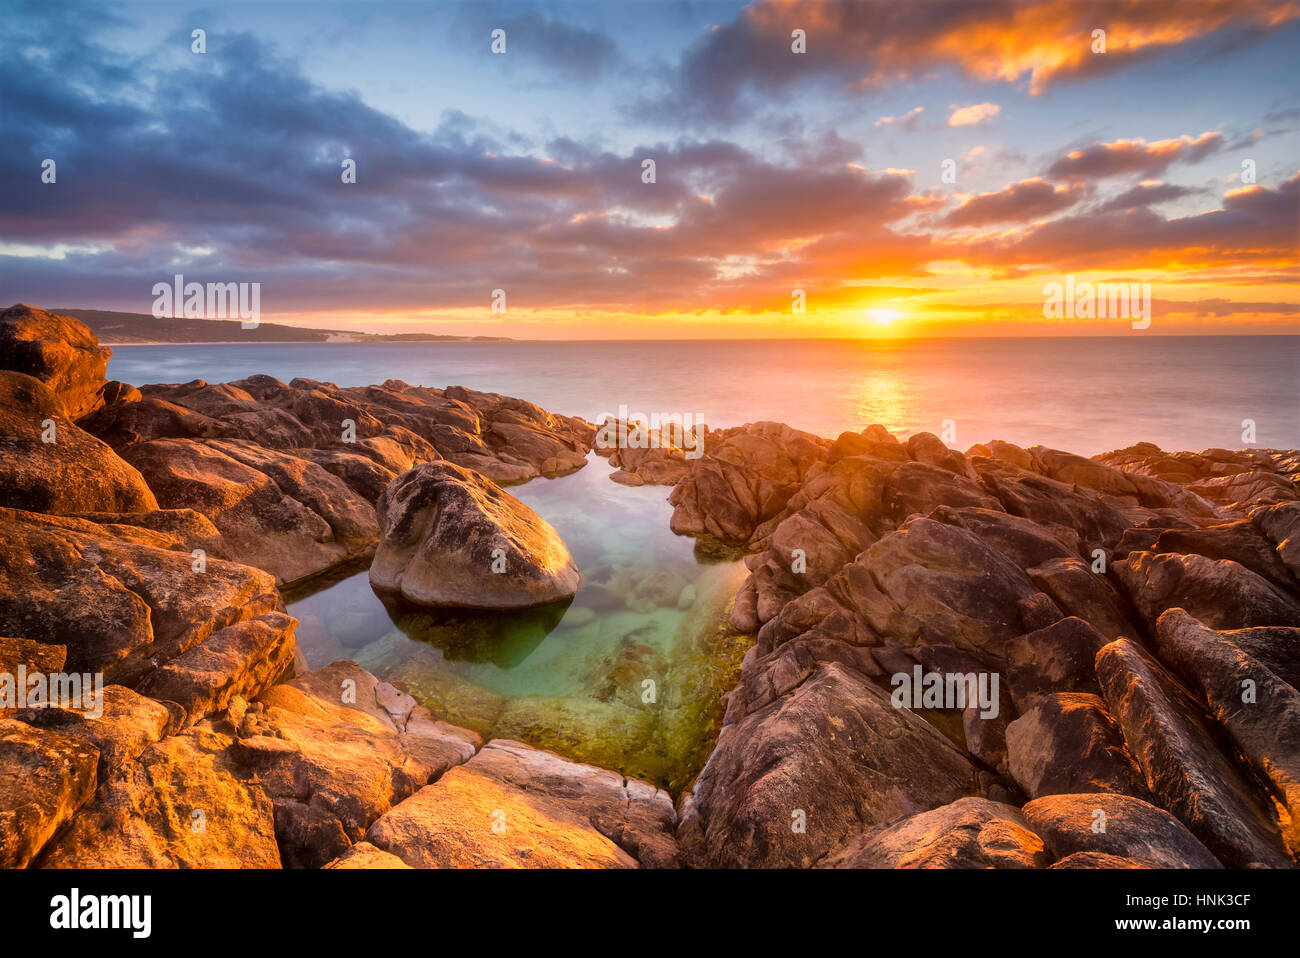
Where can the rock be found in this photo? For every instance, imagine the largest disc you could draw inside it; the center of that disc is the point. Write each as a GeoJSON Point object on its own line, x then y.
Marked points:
{"type": "Point", "coordinates": [1184, 767]}
{"type": "Point", "coordinates": [1266, 728]}
{"type": "Point", "coordinates": [1077, 591]}
{"type": "Point", "coordinates": [444, 527]}
{"type": "Point", "coordinates": [1222, 593]}
{"type": "Point", "coordinates": [928, 448]}
{"type": "Point", "coordinates": [1239, 541]}
{"type": "Point", "coordinates": [235, 662]}
{"type": "Point", "coordinates": [44, 778]}
{"type": "Point", "coordinates": [1126, 827]}
{"type": "Point", "coordinates": [120, 608]}
{"type": "Point", "coordinates": [1023, 542]}
{"type": "Point", "coordinates": [335, 750]}
{"type": "Point", "coordinates": [513, 806]}
{"type": "Point", "coordinates": [929, 579]}
{"type": "Point", "coordinates": [129, 724]}
{"type": "Point", "coordinates": [745, 478]}
{"type": "Point", "coordinates": [31, 656]}
{"type": "Point", "coordinates": [918, 487]}
{"type": "Point", "coordinates": [1069, 744]}
{"type": "Point", "coordinates": [1076, 516]}
{"type": "Point", "coordinates": [261, 523]}
{"type": "Point", "coordinates": [969, 833]}
{"type": "Point", "coordinates": [831, 756]}
{"type": "Point", "coordinates": [1058, 658]}
{"type": "Point", "coordinates": [181, 804]}
{"type": "Point", "coordinates": [1281, 523]}
{"type": "Point", "coordinates": [60, 351]}
{"type": "Point", "coordinates": [73, 473]}
{"type": "Point", "coordinates": [366, 855]}
{"type": "Point", "coordinates": [1099, 860]}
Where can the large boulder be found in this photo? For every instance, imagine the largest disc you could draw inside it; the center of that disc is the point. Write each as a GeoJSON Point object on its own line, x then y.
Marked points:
{"type": "Point", "coordinates": [453, 538]}
{"type": "Point", "coordinates": [59, 351]}
{"type": "Point", "coordinates": [1068, 743]}
{"type": "Point", "coordinates": [797, 778]}
{"type": "Point", "coordinates": [47, 464]}
{"type": "Point", "coordinates": [969, 833]}
{"type": "Point", "coordinates": [266, 519]}
{"type": "Point", "coordinates": [1259, 708]}
{"type": "Point", "coordinates": [1115, 825]}
{"type": "Point", "coordinates": [1185, 768]}
{"type": "Point", "coordinates": [745, 479]}
{"type": "Point", "coordinates": [1221, 593]}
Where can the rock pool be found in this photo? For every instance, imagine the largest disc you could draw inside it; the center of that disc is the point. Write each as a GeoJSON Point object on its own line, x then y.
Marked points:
{"type": "Point", "coordinates": [628, 675]}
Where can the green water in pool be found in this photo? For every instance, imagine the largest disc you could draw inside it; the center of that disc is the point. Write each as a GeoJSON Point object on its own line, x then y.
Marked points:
{"type": "Point", "coordinates": [628, 675]}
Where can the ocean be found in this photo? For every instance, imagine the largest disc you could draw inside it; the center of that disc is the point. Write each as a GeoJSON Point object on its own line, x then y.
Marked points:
{"type": "Point", "coordinates": [1083, 395]}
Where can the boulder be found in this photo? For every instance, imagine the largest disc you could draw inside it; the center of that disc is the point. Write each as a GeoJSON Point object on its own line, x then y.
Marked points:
{"type": "Point", "coordinates": [44, 778]}
{"type": "Point", "coordinates": [334, 750]}
{"type": "Point", "coordinates": [260, 522]}
{"type": "Point", "coordinates": [181, 804]}
{"type": "Point", "coordinates": [1069, 744]}
{"type": "Point", "coordinates": [73, 472]}
{"type": "Point", "coordinates": [1220, 593]}
{"type": "Point", "coordinates": [126, 609]}
{"type": "Point", "coordinates": [969, 833]}
{"type": "Point", "coordinates": [128, 724]}
{"type": "Point", "coordinates": [797, 779]}
{"type": "Point", "coordinates": [1184, 766]}
{"type": "Point", "coordinates": [1058, 658]}
{"type": "Point", "coordinates": [1118, 825]}
{"type": "Point", "coordinates": [452, 538]}
{"type": "Point", "coordinates": [1264, 722]}
{"type": "Point", "coordinates": [514, 806]}
{"type": "Point", "coordinates": [60, 351]}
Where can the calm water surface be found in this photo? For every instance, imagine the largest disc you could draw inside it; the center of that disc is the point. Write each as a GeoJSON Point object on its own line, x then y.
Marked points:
{"type": "Point", "coordinates": [1083, 395]}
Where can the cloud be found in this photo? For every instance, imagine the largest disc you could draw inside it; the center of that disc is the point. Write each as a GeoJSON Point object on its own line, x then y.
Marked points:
{"type": "Point", "coordinates": [907, 121]}
{"type": "Point", "coordinates": [1134, 156]}
{"type": "Point", "coordinates": [1148, 194]}
{"type": "Point", "coordinates": [973, 115]}
{"type": "Point", "coordinates": [745, 65]}
{"type": "Point", "coordinates": [1020, 202]}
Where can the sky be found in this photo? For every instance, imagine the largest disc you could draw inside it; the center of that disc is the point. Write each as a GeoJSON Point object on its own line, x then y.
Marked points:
{"type": "Point", "coordinates": [918, 169]}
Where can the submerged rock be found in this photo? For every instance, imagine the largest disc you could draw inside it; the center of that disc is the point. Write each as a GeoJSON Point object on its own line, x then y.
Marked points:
{"type": "Point", "coordinates": [452, 538]}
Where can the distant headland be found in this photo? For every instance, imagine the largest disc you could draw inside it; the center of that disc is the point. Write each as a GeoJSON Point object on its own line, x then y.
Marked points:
{"type": "Point", "coordinates": [118, 329]}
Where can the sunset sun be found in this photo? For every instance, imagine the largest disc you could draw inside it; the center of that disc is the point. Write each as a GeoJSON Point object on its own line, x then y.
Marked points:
{"type": "Point", "coordinates": [883, 317]}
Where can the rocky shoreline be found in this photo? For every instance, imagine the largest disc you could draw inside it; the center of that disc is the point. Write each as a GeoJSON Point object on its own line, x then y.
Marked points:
{"type": "Point", "coordinates": [1139, 610]}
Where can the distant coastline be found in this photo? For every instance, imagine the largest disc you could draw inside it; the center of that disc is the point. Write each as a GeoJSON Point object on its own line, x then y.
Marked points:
{"type": "Point", "coordinates": [143, 329]}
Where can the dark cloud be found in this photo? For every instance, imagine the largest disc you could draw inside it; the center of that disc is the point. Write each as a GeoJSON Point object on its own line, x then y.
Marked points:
{"type": "Point", "coordinates": [1020, 202]}
{"type": "Point", "coordinates": [745, 66]}
{"type": "Point", "coordinates": [1121, 157]}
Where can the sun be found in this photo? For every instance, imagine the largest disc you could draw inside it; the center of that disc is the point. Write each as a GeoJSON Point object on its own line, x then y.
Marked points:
{"type": "Point", "coordinates": [884, 316]}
